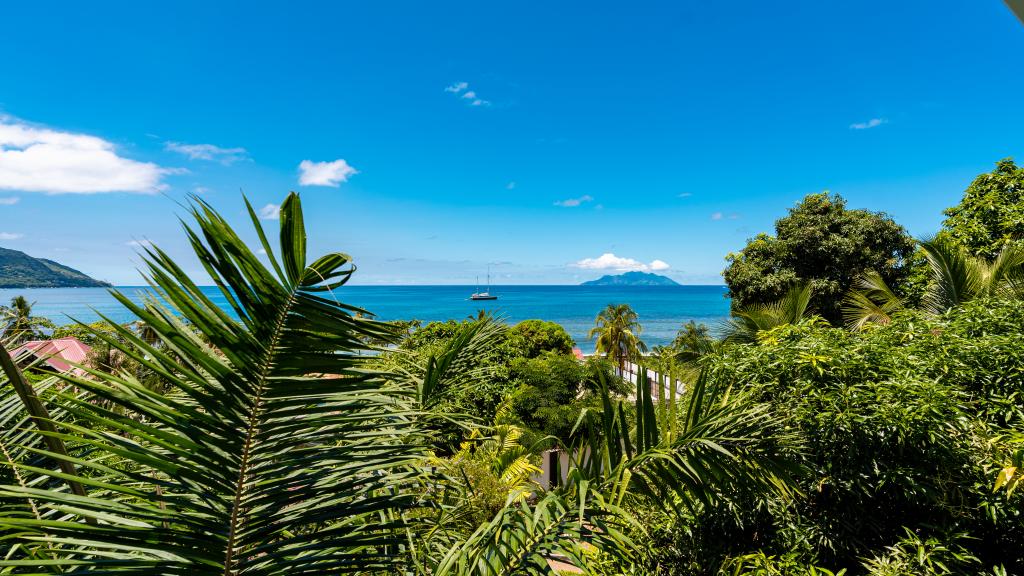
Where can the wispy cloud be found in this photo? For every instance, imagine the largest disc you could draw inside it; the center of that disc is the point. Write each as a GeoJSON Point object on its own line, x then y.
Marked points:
{"type": "Point", "coordinates": [722, 216]}
{"type": "Point", "coordinates": [325, 173]}
{"type": "Point", "coordinates": [872, 123]}
{"type": "Point", "coordinates": [211, 152]}
{"type": "Point", "coordinates": [684, 194]}
{"type": "Point", "coordinates": [609, 261]}
{"type": "Point", "coordinates": [36, 159]}
{"type": "Point", "coordinates": [139, 243]}
{"type": "Point", "coordinates": [10, 236]}
{"type": "Point", "coordinates": [461, 89]}
{"type": "Point", "coordinates": [10, 201]}
{"type": "Point", "coordinates": [270, 212]}
{"type": "Point", "coordinates": [510, 185]}
{"type": "Point", "coordinates": [574, 202]}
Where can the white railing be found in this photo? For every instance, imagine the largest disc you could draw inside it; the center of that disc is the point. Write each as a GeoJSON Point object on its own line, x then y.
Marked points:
{"type": "Point", "coordinates": [632, 371]}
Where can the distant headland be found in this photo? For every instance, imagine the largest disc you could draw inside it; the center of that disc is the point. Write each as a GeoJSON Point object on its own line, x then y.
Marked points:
{"type": "Point", "coordinates": [632, 279]}
{"type": "Point", "coordinates": [19, 270]}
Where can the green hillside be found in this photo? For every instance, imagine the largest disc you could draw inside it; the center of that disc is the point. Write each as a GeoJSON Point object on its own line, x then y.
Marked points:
{"type": "Point", "coordinates": [19, 270]}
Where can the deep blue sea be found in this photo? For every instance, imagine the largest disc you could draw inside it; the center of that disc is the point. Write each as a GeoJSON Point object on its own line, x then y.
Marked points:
{"type": "Point", "coordinates": [662, 309]}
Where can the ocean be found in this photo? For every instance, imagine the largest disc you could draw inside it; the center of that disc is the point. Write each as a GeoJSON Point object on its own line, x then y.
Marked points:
{"type": "Point", "coordinates": [662, 309]}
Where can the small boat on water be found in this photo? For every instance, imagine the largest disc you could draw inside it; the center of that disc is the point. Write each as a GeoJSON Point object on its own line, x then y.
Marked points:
{"type": "Point", "coordinates": [486, 294]}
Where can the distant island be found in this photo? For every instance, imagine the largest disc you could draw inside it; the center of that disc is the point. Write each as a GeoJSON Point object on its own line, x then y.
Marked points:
{"type": "Point", "coordinates": [632, 279]}
{"type": "Point", "coordinates": [19, 270]}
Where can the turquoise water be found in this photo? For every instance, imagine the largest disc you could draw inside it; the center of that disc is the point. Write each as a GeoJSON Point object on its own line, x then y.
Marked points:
{"type": "Point", "coordinates": [662, 309]}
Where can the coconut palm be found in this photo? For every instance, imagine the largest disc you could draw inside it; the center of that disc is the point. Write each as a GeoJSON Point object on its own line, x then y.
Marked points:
{"type": "Point", "coordinates": [746, 323]}
{"type": "Point", "coordinates": [19, 323]}
{"type": "Point", "coordinates": [617, 330]}
{"type": "Point", "coordinates": [955, 277]}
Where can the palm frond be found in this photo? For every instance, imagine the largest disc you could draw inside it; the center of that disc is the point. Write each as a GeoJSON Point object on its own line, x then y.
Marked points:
{"type": "Point", "coordinates": [271, 452]}
{"type": "Point", "coordinates": [870, 301]}
{"type": "Point", "coordinates": [1005, 275]}
{"type": "Point", "coordinates": [744, 324]}
{"type": "Point", "coordinates": [525, 539]}
{"type": "Point", "coordinates": [956, 277]}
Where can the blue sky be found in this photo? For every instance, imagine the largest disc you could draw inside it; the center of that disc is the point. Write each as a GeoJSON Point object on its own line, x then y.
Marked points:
{"type": "Point", "coordinates": [555, 141]}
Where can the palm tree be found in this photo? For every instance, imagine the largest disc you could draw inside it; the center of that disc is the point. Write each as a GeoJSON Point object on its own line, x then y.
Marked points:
{"type": "Point", "coordinates": [955, 277]}
{"type": "Point", "coordinates": [746, 323]}
{"type": "Point", "coordinates": [21, 325]}
{"type": "Point", "coordinates": [617, 330]}
{"type": "Point", "coordinates": [693, 342]}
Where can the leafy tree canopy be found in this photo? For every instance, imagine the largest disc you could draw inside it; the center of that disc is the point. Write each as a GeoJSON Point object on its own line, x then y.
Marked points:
{"type": "Point", "coordinates": [539, 336]}
{"type": "Point", "coordinates": [991, 213]}
{"type": "Point", "coordinates": [822, 243]}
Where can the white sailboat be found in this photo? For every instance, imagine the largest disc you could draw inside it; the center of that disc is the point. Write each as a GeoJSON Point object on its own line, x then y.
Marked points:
{"type": "Point", "coordinates": [486, 294]}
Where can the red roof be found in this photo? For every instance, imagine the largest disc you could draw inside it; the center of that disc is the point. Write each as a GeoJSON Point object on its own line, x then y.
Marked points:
{"type": "Point", "coordinates": [57, 354]}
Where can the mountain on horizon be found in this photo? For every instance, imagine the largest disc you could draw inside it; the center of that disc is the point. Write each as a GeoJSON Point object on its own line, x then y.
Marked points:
{"type": "Point", "coordinates": [632, 279]}
{"type": "Point", "coordinates": [19, 270]}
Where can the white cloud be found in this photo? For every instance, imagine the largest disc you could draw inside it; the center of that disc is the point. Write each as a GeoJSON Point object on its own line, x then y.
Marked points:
{"type": "Point", "coordinates": [609, 261]}
{"type": "Point", "coordinates": [210, 152]}
{"type": "Point", "coordinates": [717, 216]}
{"type": "Point", "coordinates": [685, 194]}
{"type": "Point", "coordinates": [462, 90]}
{"type": "Point", "coordinates": [574, 202]}
{"type": "Point", "coordinates": [510, 185]}
{"type": "Point", "coordinates": [139, 244]}
{"type": "Point", "coordinates": [873, 123]}
{"type": "Point", "coordinates": [721, 215]}
{"type": "Point", "coordinates": [325, 173]}
{"type": "Point", "coordinates": [35, 159]}
{"type": "Point", "coordinates": [10, 236]}
{"type": "Point", "coordinates": [270, 212]}
{"type": "Point", "coordinates": [11, 201]}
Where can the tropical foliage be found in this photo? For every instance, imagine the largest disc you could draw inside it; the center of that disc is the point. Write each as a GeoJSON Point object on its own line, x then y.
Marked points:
{"type": "Point", "coordinates": [293, 433]}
